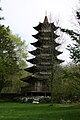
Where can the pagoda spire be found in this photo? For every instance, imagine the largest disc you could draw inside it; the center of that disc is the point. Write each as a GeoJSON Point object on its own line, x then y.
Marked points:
{"type": "Point", "coordinates": [46, 19]}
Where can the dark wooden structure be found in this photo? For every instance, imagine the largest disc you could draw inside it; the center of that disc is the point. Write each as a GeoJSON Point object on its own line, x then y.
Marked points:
{"type": "Point", "coordinates": [41, 69]}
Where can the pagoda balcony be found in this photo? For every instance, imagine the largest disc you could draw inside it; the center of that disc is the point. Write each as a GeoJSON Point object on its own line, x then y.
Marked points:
{"type": "Point", "coordinates": [46, 35]}
{"type": "Point", "coordinates": [45, 38]}
{"type": "Point", "coordinates": [45, 54]}
{"type": "Point", "coordinates": [43, 67]}
{"type": "Point", "coordinates": [43, 57]}
{"type": "Point", "coordinates": [45, 46]}
{"type": "Point", "coordinates": [40, 59]}
{"type": "Point", "coordinates": [40, 51]}
{"type": "Point", "coordinates": [45, 30]}
{"type": "Point", "coordinates": [35, 89]}
{"type": "Point", "coordinates": [36, 44]}
{"type": "Point", "coordinates": [45, 63]}
{"type": "Point", "coordinates": [42, 76]}
{"type": "Point", "coordinates": [45, 73]}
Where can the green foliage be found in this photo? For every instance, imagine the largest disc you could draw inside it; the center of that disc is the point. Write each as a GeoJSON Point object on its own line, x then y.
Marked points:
{"type": "Point", "coordinates": [13, 54]}
{"type": "Point", "coordinates": [66, 83]}
{"type": "Point", "coordinates": [57, 80]}
{"type": "Point", "coordinates": [16, 83]}
{"type": "Point", "coordinates": [20, 49]}
{"type": "Point", "coordinates": [8, 61]}
{"type": "Point", "coordinates": [71, 80]}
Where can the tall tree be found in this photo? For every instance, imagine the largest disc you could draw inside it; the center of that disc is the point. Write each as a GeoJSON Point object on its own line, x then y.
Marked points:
{"type": "Point", "coordinates": [71, 81]}
{"type": "Point", "coordinates": [8, 60]}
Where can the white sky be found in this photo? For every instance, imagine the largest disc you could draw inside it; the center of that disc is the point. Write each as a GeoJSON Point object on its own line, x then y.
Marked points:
{"type": "Point", "coordinates": [23, 15]}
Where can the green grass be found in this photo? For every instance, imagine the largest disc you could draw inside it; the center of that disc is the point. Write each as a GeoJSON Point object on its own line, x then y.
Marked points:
{"type": "Point", "coordinates": [16, 111]}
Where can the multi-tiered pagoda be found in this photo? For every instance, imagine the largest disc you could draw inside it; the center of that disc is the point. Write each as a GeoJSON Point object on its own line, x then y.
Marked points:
{"type": "Point", "coordinates": [42, 63]}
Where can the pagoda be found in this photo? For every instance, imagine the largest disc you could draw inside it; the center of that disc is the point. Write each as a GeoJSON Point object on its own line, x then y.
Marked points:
{"type": "Point", "coordinates": [42, 63]}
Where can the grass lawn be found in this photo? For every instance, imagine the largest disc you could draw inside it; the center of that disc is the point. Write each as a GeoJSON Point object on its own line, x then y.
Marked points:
{"type": "Point", "coordinates": [18, 111]}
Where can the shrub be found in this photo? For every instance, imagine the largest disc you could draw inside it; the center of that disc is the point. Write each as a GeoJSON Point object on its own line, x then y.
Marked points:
{"type": "Point", "coordinates": [30, 100]}
{"type": "Point", "coordinates": [44, 100]}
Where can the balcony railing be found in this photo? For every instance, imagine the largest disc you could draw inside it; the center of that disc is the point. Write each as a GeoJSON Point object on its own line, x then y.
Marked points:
{"type": "Point", "coordinates": [35, 89]}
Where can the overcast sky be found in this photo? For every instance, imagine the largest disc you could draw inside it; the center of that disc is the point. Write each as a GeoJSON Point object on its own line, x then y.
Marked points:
{"type": "Point", "coordinates": [23, 15]}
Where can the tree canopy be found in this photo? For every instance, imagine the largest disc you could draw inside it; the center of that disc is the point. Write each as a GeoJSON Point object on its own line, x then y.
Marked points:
{"type": "Point", "coordinates": [13, 54]}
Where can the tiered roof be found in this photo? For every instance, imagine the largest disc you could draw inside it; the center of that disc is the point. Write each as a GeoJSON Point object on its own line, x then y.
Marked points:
{"type": "Point", "coordinates": [41, 69]}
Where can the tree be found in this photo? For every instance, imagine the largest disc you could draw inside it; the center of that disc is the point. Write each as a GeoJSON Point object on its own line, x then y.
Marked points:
{"type": "Point", "coordinates": [75, 36]}
{"type": "Point", "coordinates": [75, 48]}
{"type": "Point", "coordinates": [20, 50]}
{"type": "Point", "coordinates": [71, 81]}
{"type": "Point", "coordinates": [12, 55]}
{"type": "Point", "coordinates": [21, 54]}
{"type": "Point", "coordinates": [7, 56]}
{"type": "Point", "coordinates": [67, 83]}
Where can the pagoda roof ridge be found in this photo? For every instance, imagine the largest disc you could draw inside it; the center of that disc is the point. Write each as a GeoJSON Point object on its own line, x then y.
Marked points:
{"type": "Point", "coordinates": [32, 69]}
{"type": "Point", "coordinates": [33, 60]}
{"type": "Point", "coordinates": [41, 77]}
{"type": "Point", "coordinates": [36, 35]}
{"type": "Point", "coordinates": [36, 44]}
{"type": "Point", "coordinates": [55, 36]}
{"type": "Point", "coordinates": [59, 60]}
{"type": "Point", "coordinates": [29, 78]}
{"type": "Point", "coordinates": [38, 27]}
{"type": "Point", "coordinates": [58, 52]}
{"type": "Point", "coordinates": [56, 44]}
{"type": "Point", "coordinates": [35, 52]}
{"type": "Point", "coordinates": [53, 26]}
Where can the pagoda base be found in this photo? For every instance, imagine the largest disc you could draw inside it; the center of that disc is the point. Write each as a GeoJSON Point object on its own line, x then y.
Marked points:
{"type": "Point", "coordinates": [35, 93]}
